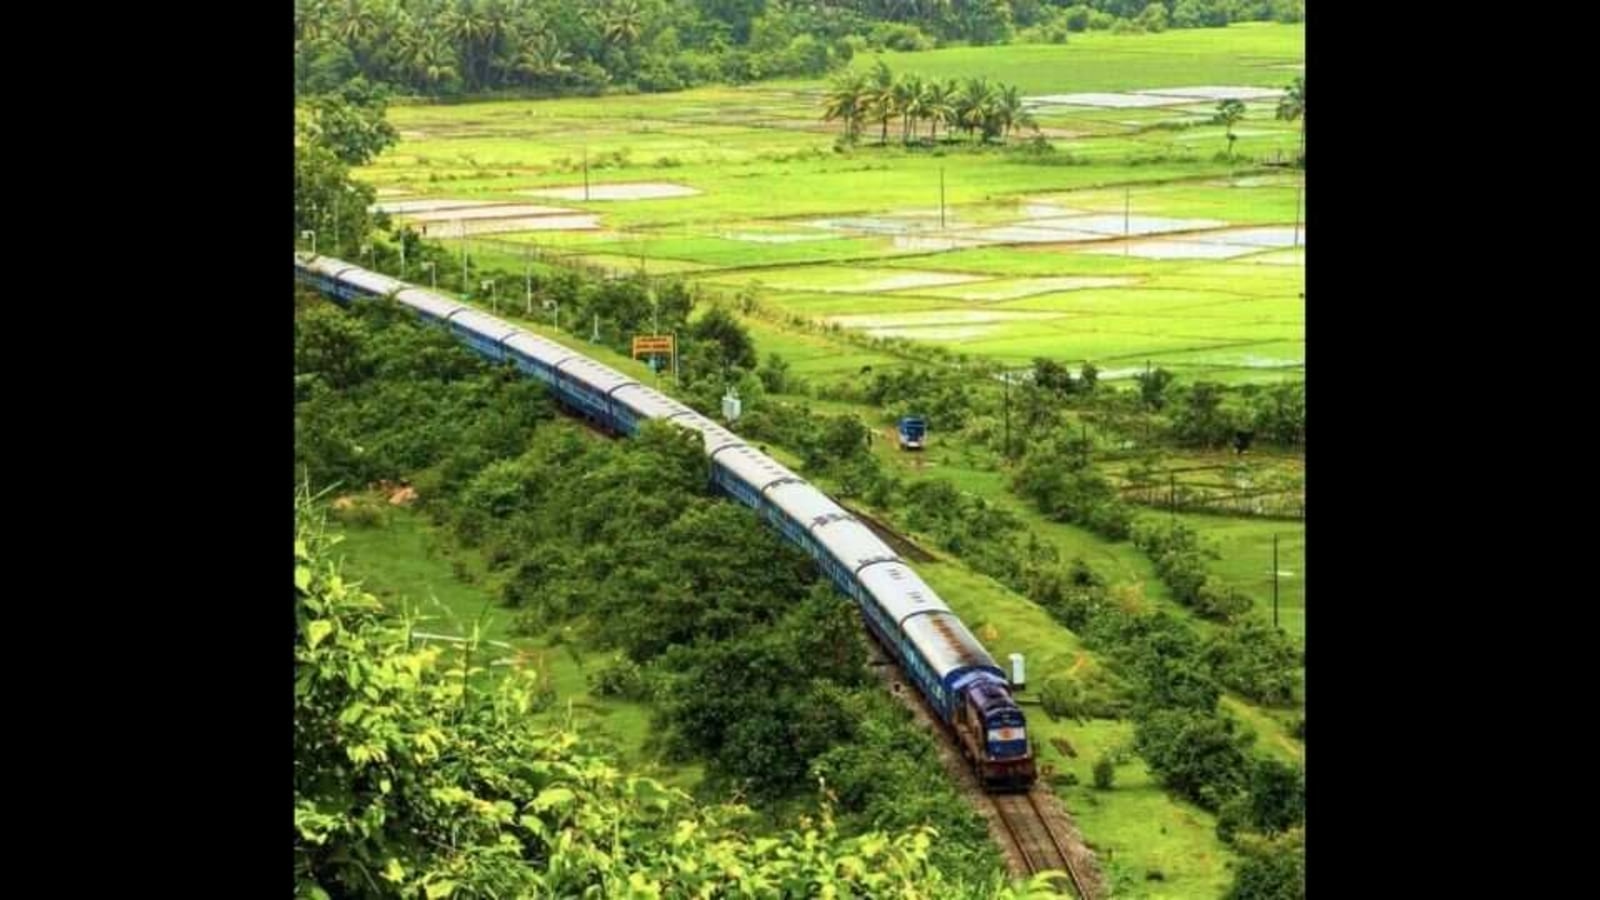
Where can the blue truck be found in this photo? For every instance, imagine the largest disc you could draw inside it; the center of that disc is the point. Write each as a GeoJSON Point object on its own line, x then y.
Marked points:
{"type": "Point", "coordinates": [913, 432]}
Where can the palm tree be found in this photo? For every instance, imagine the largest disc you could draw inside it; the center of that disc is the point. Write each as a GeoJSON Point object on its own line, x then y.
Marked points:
{"type": "Point", "coordinates": [310, 18]}
{"type": "Point", "coordinates": [907, 91]}
{"type": "Point", "coordinates": [1010, 111]}
{"type": "Point", "coordinates": [541, 57]}
{"type": "Point", "coordinates": [498, 33]}
{"type": "Point", "coordinates": [880, 99]}
{"type": "Point", "coordinates": [434, 60]}
{"type": "Point", "coordinates": [1229, 112]}
{"type": "Point", "coordinates": [975, 107]}
{"type": "Point", "coordinates": [940, 104]}
{"type": "Point", "coordinates": [623, 23]}
{"type": "Point", "coordinates": [471, 30]}
{"type": "Point", "coordinates": [847, 99]}
{"type": "Point", "coordinates": [354, 22]}
{"type": "Point", "coordinates": [1293, 106]}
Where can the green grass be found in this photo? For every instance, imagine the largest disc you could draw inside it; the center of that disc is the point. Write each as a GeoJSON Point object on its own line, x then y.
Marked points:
{"type": "Point", "coordinates": [1101, 61]}
{"type": "Point", "coordinates": [1246, 548]}
{"type": "Point", "coordinates": [406, 561]}
{"type": "Point", "coordinates": [764, 162]}
{"type": "Point", "coordinates": [1136, 826]}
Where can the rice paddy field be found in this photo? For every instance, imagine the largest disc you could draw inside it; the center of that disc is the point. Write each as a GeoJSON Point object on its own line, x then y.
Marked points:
{"type": "Point", "coordinates": [1137, 240]}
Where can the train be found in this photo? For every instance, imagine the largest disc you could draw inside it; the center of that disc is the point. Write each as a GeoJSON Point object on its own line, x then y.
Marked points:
{"type": "Point", "coordinates": [960, 681]}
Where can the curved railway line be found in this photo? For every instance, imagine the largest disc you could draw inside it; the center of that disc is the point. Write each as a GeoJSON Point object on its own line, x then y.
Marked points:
{"type": "Point", "coordinates": [1036, 841]}
{"type": "Point", "coordinates": [953, 682]}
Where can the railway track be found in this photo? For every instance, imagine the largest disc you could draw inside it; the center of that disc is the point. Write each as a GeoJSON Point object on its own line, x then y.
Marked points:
{"type": "Point", "coordinates": [1036, 841]}
{"type": "Point", "coordinates": [1015, 819]}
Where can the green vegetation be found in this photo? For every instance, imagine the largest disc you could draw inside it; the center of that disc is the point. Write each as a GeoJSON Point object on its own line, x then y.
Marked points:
{"type": "Point", "coordinates": [699, 598]}
{"type": "Point", "coordinates": [977, 108]}
{"type": "Point", "coordinates": [839, 288]}
{"type": "Point", "coordinates": [416, 778]}
{"type": "Point", "coordinates": [451, 49]}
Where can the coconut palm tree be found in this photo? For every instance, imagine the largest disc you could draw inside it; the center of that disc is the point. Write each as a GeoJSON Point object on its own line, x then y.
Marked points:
{"type": "Point", "coordinates": [1228, 113]}
{"type": "Point", "coordinates": [1010, 111]}
{"type": "Point", "coordinates": [470, 30]}
{"type": "Point", "coordinates": [939, 105]}
{"type": "Point", "coordinates": [975, 107]}
{"type": "Point", "coordinates": [541, 57]}
{"type": "Point", "coordinates": [1293, 106]}
{"type": "Point", "coordinates": [907, 91]}
{"type": "Point", "coordinates": [623, 23]}
{"type": "Point", "coordinates": [310, 19]}
{"type": "Point", "coordinates": [435, 60]}
{"type": "Point", "coordinates": [847, 100]}
{"type": "Point", "coordinates": [882, 99]}
{"type": "Point", "coordinates": [354, 22]}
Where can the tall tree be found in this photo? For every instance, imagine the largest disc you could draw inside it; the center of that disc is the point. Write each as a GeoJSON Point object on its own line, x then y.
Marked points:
{"type": "Point", "coordinates": [907, 95]}
{"type": "Point", "coordinates": [882, 100]}
{"type": "Point", "coordinates": [975, 107]}
{"type": "Point", "coordinates": [1229, 112]}
{"type": "Point", "coordinates": [937, 104]}
{"type": "Point", "coordinates": [350, 122]}
{"type": "Point", "coordinates": [846, 100]}
{"type": "Point", "coordinates": [1011, 112]}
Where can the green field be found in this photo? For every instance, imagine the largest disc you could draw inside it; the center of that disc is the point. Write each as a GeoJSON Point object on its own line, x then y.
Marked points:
{"type": "Point", "coordinates": [407, 562]}
{"type": "Point", "coordinates": [822, 231]}
{"type": "Point", "coordinates": [1136, 827]}
{"type": "Point", "coordinates": [1244, 54]}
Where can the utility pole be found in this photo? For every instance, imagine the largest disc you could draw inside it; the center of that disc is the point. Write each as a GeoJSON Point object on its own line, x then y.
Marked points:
{"type": "Point", "coordinates": [527, 275]}
{"type": "Point", "coordinates": [463, 237]}
{"type": "Point", "coordinates": [402, 256]}
{"type": "Point", "coordinates": [595, 336]}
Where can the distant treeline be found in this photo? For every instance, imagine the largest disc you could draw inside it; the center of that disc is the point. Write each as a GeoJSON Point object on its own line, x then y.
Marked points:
{"type": "Point", "coordinates": [451, 49]}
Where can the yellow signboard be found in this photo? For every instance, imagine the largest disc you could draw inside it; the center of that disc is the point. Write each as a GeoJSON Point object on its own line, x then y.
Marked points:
{"type": "Point", "coordinates": [646, 345]}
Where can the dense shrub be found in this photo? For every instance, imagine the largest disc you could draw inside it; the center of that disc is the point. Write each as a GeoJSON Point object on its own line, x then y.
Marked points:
{"type": "Point", "coordinates": [1105, 774]}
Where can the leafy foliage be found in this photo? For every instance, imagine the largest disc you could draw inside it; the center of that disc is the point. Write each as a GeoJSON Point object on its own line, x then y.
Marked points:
{"type": "Point", "coordinates": [683, 589]}
{"type": "Point", "coordinates": [1272, 869]}
{"type": "Point", "coordinates": [416, 777]}
{"type": "Point", "coordinates": [1256, 660]}
{"type": "Point", "coordinates": [1199, 755]}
